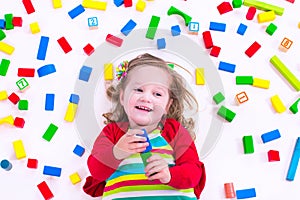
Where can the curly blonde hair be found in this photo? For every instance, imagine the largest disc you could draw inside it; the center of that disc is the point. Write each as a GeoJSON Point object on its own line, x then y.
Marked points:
{"type": "Point", "coordinates": [177, 92]}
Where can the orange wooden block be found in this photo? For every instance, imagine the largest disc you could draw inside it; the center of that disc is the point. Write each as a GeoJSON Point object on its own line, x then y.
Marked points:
{"type": "Point", "coordinates": [241, 97]}
{"type": "Point", "coordinates": [285, 44]}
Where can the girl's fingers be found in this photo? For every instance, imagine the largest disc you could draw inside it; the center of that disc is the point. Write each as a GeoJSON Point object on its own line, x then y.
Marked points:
{"type": "Point", "coordinates": [134, 146]}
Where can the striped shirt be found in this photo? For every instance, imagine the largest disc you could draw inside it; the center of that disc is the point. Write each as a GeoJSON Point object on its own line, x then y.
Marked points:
{"type": "Point", "coordinates": [129, 181]}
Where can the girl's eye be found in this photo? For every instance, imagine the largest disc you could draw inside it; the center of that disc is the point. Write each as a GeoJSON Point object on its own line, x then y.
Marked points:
{"type": "Point", "coordinates": [138, 90]}
{"type": "Point", "coordinates": [157, 94]}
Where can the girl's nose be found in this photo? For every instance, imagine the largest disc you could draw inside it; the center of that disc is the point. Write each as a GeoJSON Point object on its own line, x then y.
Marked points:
{"type": "Point", "coordinates": [146, 97]}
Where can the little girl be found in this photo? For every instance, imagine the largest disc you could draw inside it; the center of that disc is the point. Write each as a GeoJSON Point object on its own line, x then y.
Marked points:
{"type": "Point", "coordinates": [150, 97]}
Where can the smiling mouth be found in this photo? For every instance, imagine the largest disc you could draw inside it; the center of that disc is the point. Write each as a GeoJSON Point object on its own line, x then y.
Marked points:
{"type": "Point", "coordinates": [143, 108]}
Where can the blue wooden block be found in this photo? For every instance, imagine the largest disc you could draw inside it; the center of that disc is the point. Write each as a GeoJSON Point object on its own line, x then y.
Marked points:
{"type": "Point", "coordinates": [128, 27]}
{"type": "Point", "coordinates": [5, 164]}
{"type": "Point", "coordinates": [149, 147]}
{"type": "Point", "coordinates": [52, 171]}
{"type": "Point", "coordinates": [118, 3]}
{"type": "Point", "coordinates": [2, 23]}
{"type": "Point", "coordinates": [92, 21]}
{"type": "Point", "coordinates": [175, 30]}
{"type": "Point", "coordinates": [85, 73]}
{"type": "Point", "coordinates": [74, 98]}
{"type": "Point", "coordinates": [78, 150]}
{"type": "Point", "coordinates": [246, 193]}
{"type": "Point", "coordinates": [46, 70]}
{"type": "Point", "coordinates": [194, 27]}
{"type": "Point", "coordinates": [215, 26]}
{"type": "Point", "coordinates": [242, 29]}
{"type": "Point", "coordinates": [226, 67]}
{"type": "Point", "coordinates": [76, 11]}
{"type": "Point", "coordinates": [49, 104]}
{"type": "Point", "coordinates": [161, 43]}
{"type": "Point", "coordinates": [294, 161]}
{"type": "Point", "coordinates": [43, 48]}
{"type": "Point", "coordinates": [269, 136]}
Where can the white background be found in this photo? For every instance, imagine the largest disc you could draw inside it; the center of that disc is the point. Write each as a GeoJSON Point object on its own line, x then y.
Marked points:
{"type": "Point", "coordinates": [226, 163]}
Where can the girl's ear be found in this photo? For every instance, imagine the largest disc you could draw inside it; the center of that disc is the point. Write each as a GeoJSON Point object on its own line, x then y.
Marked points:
{"type": "Point", "coordinates": [169, 105]}
{"type": "Point", "coordinates": [121, 97]}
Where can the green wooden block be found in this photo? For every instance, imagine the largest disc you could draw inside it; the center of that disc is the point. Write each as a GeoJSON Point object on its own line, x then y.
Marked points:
{"type": "Point", "coordinates": [226, 113]}
{"type": "Point", "coordinates": [174, 11]}
{"type": "Point", "coordinates": [248, 144]}
{"type": "Point", "coordinates": [2, 34]}
{"type": "Point", "coordinates": [237, 3]}
{"type": "Point", "coordinates": [23, 105]}
{"type": "Point", "coordinates": [171, 65]}
{"type": "Point", "coordinates": [8, 21]}
{"type": "Point", "coordinates": [4, 67]}
{"type": "Point", "coordinates": [22, 84]}
{"type": "Point", "coordinates": [294, 107]}
{"type": "Point", "coordinates": [244, 80]}
{"type": "Point", "coordinates": [271, 29]}
{"type": "Point", "coordinates": [152, 27]}
{"type": "Point", "coordinates": [145, 156]}
{"type": "Point", "coordinates": [51, 130]}
{"type": "Point", "coordinates": [264, 6]}
{"type": "Point", "coordinates": [218, 98]}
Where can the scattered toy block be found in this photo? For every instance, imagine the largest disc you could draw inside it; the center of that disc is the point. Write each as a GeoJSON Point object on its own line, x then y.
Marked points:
{"type": "Point", "coordinates": [64, 44]}
{"type": "Point", "coordinates": [2, 23]}
{"type": "Point", "coordinates": [273, 156]}
{"type": "Point", "coordinates": [26, 72]}
{"type": "Point", "coordinates": [250, 13]}
{"type": "Point", "coordinates": [17, 21]}
{"type": "Point", "coordinates": [8, 21]}
{"type": "Point", "coordinates": [149, 147]}
{"type": "Point", "coordinates": [93, 23]}
{"type": "Point", "coordinates": [19, 122]}
{"type": "Point", "coordinates": [32, 163]}
{"type": "Point", "coordinates": [19, 149]}
{"type": "Point", "coordinates": [224, 7]}
{"type": "Point", "coordinates": [41, 55]}
{"type": "Point", "coordinates": [14, 98]}
{"type": "Point", "coordinates": [98, 5]}
{"type": "Point", "coordinates": [277, 104]}
{"type": "Point", "coordinates": [270, 136]}
{"type": "Point", "coordinates": [264, 6]}
{"type": "Point", "coordinates": [79, 150]}
{"type": "Point", "coordinates": [6, 48]}
{"type": "Point", "coordinates": [45, 190]}
{"type": "Point", "coordinates": [22, 84]}
{"type": "Point", "coordinates": [294, 107]}
{"type": "Point", "coordinates": [140, 5]}
{"type": "Point", "coordinates": [226, 113]}
{"type": "Point", "coordinates": [6, 165]}
{"type": "Point", "coordinates": [127, 3]}
{"type": "Point", "coordinates": [71, 112]}
{"type": "Point", "coordinates": [252, 49]}
{"type": "Point", "coordinates": [285, 72]}
{"type": "Point", "coordinates": [50, 132]}
{"type": "Point", "coordinates": [76, 11]}
{"type": "Point", "coordinates": [88, 49]}
{"type": "Point", "coordinates": [46, 70]}
{"type": "Point", "coordinates": [7, 120]}
{"type": "Point", "coordinates": [74, 98]}
{"type": "Point", "coordinates": [208, 43]}
{"type": "Point", "coordinates": [129, 26]}
{"type": "Point", "coordinates": [245, 193]}
{"type": "Point", "coordinates": [271, 29]}
{"type": "Point", "coordinates": [161, 43]}
{"type": "Point", "coordinates": [114, 40]}
{"type": "Point", "coordinates": [175, 30]}
{"type": "Point", "coordinates": [261, 83]}
{"type": "Point", "coordinates": [4, 65]}
{"type": "Point", "coordinates": [200, 78]}
{"type": "Point", "coordinates": [291, 1]}
{"type": "Point", "coordinates": [3, 95]}
{"type": "Point", "coordinates": [215, 51]}
{"type": "Point", "coordinates": [248, 144]}
{"type": "Point", "coordinates": [228, 67]}
{"type": "Point", "coordinates": [23, 105]}
{"type": "Point", "coordinates": [174, 11]}
{"type": "Point", "coordinates": [145, 156]}
{"type": "Point", "coordinates": [216, 26]}
{"type": "Point", "coordinates": [85, 73]}
{"type": "Point", "coordinates": [285, 45]}
{"type": "Point", "coordinates": [2, 34]}
{"type": "Point", "coordinates": [34, 27]}
{"type": "Point", "coordinates": [237, 3]}
{"type": "Point", "coordinates": [152, 27]}
{"type": "Point", "coordinates": [49, 102]}
{"type": "Point", "coordinates": [294, 161]}
{"type": "Point", "coordinates": [52, 171]}
{"type": "Point", "coordinates": [266, 16]}
{"type": "Point", "coordinates": [108, 72]}
{"type": "Point", "coordinates": [242, 29]}
{"type": "Point", "coordinates": [241, 97]}
{"type": "Point", "coordinates": [75, 178]}
{"type": "Point", "coordinates": [57, 4]}
{"type": "Point", "coordinates": [229, 190]}
{"type": "Point", "coordinates": [28, 6]}
{"type": "Point", "coordinates": [218, 98]}
{"type": "Point", "coordinates": [118, 3]}
{"type": "Point", "coordinates": [244, 80]}
{"type": "Point", "coordinates": [193, 28]}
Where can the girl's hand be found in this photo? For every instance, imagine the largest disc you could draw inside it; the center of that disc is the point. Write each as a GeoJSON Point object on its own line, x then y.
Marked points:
{"type": "Point", "coordinates": [129, 144]}
{"type": "Point", "coordinates": [157, 168]}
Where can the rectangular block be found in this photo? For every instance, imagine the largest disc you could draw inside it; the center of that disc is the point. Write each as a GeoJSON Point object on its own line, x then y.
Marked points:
{"type": "Point", "coordinates": [26, 72]}
{"type": "Point", "coordinates": [3, 95]}
{"type": "Point", "coordinates": [98, 5]}
{"type": "Point", "coordinates": [277, 104]}
{"type": "Point", "coordinates": [145, 156]}
{"type": "Point", "coordinates": [200, 78]}
{"type": "Point", "coordinates": [294, 162]}
{"type": "Point", "coordinates": [49, 103]}
{"type": "Point", "coordinates": [28, 6]}
{"type": "Point", "coordinates": [6, 48]}
{"type": "Point", "coordinates": [248, 144]}
{"type": "Point", "coordinates": [76, 11]}
{"type": "Point", "coordinates": [266, 16]}
{"type": "Point", "coordinates": [4, 67]}
{"type": "Point", "coordinates": [64, 44]}
{"type": "Point", "coordinates": [52, 171]}
{"type": "Point", "coordinates": [252, 49]}
{"type": "Point", "coordinates": [71, 112]}
{"type": "Point", "coordinates": [261, 83]}
{"type": "Point", "coordinates": [270, 136]}
{"type": "Point", "coordinates": [19, 149]}
{"type": "Point", "coordinates": [41, 55]}
{"type": "Point", "coordinates": [108, 72]}
{"type": "Point", "coordinates": [264, 6]}
{"type": "Point", "coordinates": [228, 67]}
{"type": "Point", "coordinates": [45, 190]}
{"type": "Point", "coordinates": [246, 193]}
{"type": "Point", "coordinates": [207, 39]}
{"type": "Point", "coordinates": [57, 3]}
{"type": "Point", "coordinates": [129, 26]}
{"type": "Point", "coordinates": [114, 40]}
{"type": "Point", "coordinates": [152, 27]}
{"type": "Point", "coordinates": [215, 26]}
{"type": "Point", "coordinates": [51, 130]}
{"type": "Point", "coordinates": [226, 113]}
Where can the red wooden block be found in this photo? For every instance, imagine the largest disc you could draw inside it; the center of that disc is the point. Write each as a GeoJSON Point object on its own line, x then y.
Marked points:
{"type": "Point", "coordinates": [114, 40]}
{"type": "Point", "coordinates": [45, 190]}
{"type": "Point", "coordinates": [26, 72]}
{"type": "Point", "coordinates": [291, 1]}
{"type": "Point", "coordinates": [28, 6]}
{"type": "Point", "coordinates": [127, 3]}
{"type": "Point", "coordinates": [14, 98]}
{"type": "Point", "coordinates": [207, 39]}
{"type": "Point", "coordinates": [32, 163]}
{"type": "Point", "coordinates": [17, 21]}
{"type": "Point", "coordinates": [224, 7]}
{"type": "Point", "coordinates": [251, 13]}
{"type": "Point", "coordinates": [273, 156]}
{"type": "Point", "coordinates": [89, 49]}
{"type": "Point", "coordinates": [215, 51]}
{"type": "Point", "coordinates": [19, 122]}
{"type": "Point", "coordinates": [252, 49]}
{"type": "Point", "coordinates": [64, 44]}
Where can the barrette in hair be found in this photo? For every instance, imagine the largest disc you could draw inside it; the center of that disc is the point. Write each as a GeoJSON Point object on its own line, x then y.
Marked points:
{"type": "Point", "coordinates": [122, 69]}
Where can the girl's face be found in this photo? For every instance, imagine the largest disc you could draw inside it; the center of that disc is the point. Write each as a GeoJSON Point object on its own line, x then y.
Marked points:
{"type": "Point", "coordinates": [146, 96]}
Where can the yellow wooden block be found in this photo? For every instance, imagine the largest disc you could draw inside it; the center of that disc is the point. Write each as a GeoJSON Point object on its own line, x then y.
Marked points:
{"type": "Point", "coordinates": [200, 80]}
{"type": "Point", "coordinates": [98, 5]}
{"type": "Point", "coordinates": [108, 71]}
{"type": "Point", "coordinates": [266, 16]}
{"type": "Point", "coordinates": [57, 3]}
{"type": "Point", "coordinates": [71, 112]}
{"type": "Point", "coordinates": [299, 25]}
{"type": "Point", "coordinates": [19, 149]}
{"type": "Point", "coordinates": [277, 104]}
{"type": "Point", "coordinates": [34, 27]}
{"type": "Point", "coordinates": [6, 48]}
{"type": "Point", "coordinates": [261, 83]}
{"type": "Point", "coordinates": [140, 5]}
{"type": "Point", "coordinates": [7, 120]}
{"type": "Point", "coordinates": [3, 95]}
{"type": "Point", "coordinates": [75, 178]}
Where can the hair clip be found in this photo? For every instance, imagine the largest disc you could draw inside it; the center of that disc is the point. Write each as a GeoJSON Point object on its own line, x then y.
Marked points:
{"type": "Point", "coordinates": [122, 69]}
